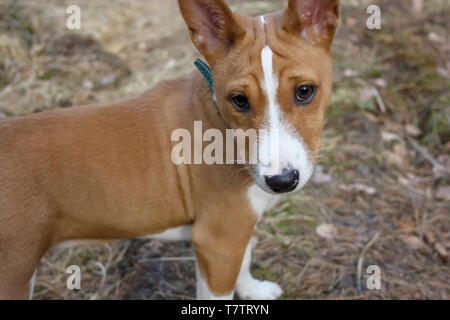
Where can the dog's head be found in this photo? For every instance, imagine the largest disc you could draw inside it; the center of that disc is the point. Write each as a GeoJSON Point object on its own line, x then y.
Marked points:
{"type": "Point", "coordinates": [272, 74]}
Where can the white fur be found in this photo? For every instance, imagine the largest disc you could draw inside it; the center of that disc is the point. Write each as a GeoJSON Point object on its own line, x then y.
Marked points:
{"type": "Point", "coordinates": [260, 200]}
{"type": "Point", "coordinates": [250, 288]}
{"type": "Point", "coordinates": [183, 233]}
{"type": "Point", "coordinates": [281, 146]}
{"type": "Point", "coordinates": [247, 287]}
{"type": "Point", "coordinates": [263, 21]}
{"type": "Point", "coordinates": [203, 291]}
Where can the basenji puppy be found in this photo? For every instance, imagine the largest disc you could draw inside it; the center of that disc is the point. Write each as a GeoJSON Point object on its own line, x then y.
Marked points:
{"type": "Point", "coordinates": [106, 172]}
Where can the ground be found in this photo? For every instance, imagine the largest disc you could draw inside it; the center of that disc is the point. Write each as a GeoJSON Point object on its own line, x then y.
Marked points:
{"type": "Point", "coordinates": [380, 195]}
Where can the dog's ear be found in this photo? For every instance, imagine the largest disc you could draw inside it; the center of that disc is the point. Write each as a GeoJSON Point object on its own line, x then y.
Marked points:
{"type": "Point", "coordinates": [314, 20]}
{"type": "Point", "coordinates": [212, 25]}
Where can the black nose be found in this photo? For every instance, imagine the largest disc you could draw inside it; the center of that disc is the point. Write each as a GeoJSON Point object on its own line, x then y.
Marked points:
{"type": "Point", "coordinates": [285, 182]}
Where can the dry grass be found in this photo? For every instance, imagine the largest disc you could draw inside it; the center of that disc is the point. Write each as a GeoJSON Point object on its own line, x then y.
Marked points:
{"type": "Point", "coordinates": [382, 175]}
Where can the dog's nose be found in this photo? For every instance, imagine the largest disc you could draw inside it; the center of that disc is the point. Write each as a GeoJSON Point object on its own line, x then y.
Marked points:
{"type": "Point", "coordinates": [285, 182]}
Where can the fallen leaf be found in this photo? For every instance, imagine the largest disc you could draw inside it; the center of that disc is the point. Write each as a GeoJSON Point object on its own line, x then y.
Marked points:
{"type": "Point", "coordinates": [320, 176]}
{"type": "Point", "coordinates": [443, 193]}
{"type": "Point", "coordinates": [429, 238]}
{"type": "Point", "coordinates": [413, 131]}
{"type": "Point", "coordinates": [358, 187]}
{"type": "Point", "coordinates": [400, 149]}
{"type": "Point", "coordinates": [412, 241]}
{"type": "Point", "coordinates": [443, 72]}
{"type": "Point", "coordinates": [433, 36]}
{"type": "Point", "coordinates": [389, 136]}
{"type": "Point", "coordinates": [405, 226]}
{"type": "Point", "coordinates": [327, 231]}
{"type": "Point", "coordinates": [108, 79]}
{"type": "Point", "coordinates": [351, 22]}
{"type": "Point", "coordinates": [88, 84]}
{"type": "Point", "coordinates": [380, 82]}
{"type": "Point", "coordinates": [417, 6]}
{"type": "Point", "coordinates": [398, 155]}
{"type": "Point", "coordinates": [392, 157]}
{"type": "Point", "coordinates": [440, 249]}
{"type": "Point", "coordinates": [403, 181]}
{"type": "Point", "coordinates": [350, 73]}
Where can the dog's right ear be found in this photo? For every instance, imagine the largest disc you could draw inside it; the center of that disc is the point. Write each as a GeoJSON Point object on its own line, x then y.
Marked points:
{"type": "Point", "coordinates": [212, 26]}
{"type": "Point", "coordinates": [314, 20]}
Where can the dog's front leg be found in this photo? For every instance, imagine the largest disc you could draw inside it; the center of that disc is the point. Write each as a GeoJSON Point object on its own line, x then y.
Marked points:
{"type": "Point", "coordinates": [219, 253]}
{"type": "Point", "coordinates": [250, 288]}
{"type": "Point", "coordinates": [203, 290]}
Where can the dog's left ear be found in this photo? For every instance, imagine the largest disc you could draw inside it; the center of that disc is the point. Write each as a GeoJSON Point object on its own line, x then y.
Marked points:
{"type": "Point", "coordinates": [212, 26]}
{"type": "Point", "coordinates": [314, 20]}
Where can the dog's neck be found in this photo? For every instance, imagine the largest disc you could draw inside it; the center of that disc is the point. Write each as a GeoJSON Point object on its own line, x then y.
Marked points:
{"type": "Point", "coordinates": [204, 100]}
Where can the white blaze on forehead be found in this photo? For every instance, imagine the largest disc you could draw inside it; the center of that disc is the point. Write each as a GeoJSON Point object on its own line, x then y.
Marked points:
{"type": "Point", "coordinates": [270, 87]}
{"type": "Point", "coordinates": [281, 147]}
{"type": "Point", "coordinates": [263, 20]}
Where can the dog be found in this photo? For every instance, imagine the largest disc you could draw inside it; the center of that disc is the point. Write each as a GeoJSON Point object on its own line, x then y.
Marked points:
{"type": "Point", "coordinates": [105, 172]}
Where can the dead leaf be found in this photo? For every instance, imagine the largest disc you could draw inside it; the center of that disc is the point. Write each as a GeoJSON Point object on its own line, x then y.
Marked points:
{"type": "Point", "coordinates": [88, 84]}
{"type": "Point", "coordinates": [440, 249]}
{"type": "Point", "coordinates": [350, 73]}
{"type": "Point", "coordinates": [398, 155]}
{"type": "Point", "coordinates": [433, 36]}
{"type": "Point", "coordinates": [351, 22]}
{"type": "Point", "coordinates": [320, 177]}
{"type": "Point", "coordinates": [417, 6]}
{"type": "Point", "coordinates": [392, 157]}
{"type": "Point", "coordinates": [327, 231]}
{"type": "Point", "coordinates": [371, 117]}
{"type": "Point", "coordinates": [405, 226]}
{"type": "Point", "coordinates": [403, 181]}
{"type": "Point", "coordinates": [412, 241]}
{"type": "Point", "coordinates": [358, 187]}
{"type": "Point", "coordinates": [389, 136]}
{"type": "Point", "coordinates": [380, 82]}
{"type": "Point", "coordinates": [443, 193]}
{"type": "Point", "coordinates": [109, 78]}
{"type": "Point", "coordinates": [429, 238]}
{"type": "Point", "coordinates": [400, 149]}
{"type": "Point", "coordinates": [443, 72]}
{"type": "Point", "coordinates": [413, 131]}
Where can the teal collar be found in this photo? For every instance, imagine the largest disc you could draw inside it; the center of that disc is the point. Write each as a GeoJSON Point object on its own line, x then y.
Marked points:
{"type": "Point", "coordinates": [206, 72]}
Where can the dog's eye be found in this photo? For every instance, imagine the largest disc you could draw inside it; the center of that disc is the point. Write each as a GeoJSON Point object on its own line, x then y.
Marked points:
{"type": "Point", "coordinates": [240, 103]}
{"type": "Point", "coordinates": [305, 94]}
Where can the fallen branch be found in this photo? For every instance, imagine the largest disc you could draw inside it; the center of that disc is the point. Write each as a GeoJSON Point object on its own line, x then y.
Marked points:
{"type": "Point", "coordinates": [437, 167]}
{"type": "Point", "coordinates": [170, 259]}
{"type": "Point", "coordinates": [361, 260]}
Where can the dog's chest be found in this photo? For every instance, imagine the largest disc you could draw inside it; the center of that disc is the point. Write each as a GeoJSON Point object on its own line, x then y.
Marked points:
{"type": "Point", "coordinates": [260, 200]}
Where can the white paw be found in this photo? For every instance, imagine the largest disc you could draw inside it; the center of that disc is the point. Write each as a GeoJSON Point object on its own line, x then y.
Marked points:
{"type": "Point", "coordinates": [254, 289]}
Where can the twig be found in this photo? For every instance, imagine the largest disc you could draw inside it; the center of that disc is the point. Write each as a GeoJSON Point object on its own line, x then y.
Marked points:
{"type": "Point", "coordinates": [170, 259]}
{"type": "Point", "coordinates": [375, 93]}
{"type": "Point", "coordinates": [361, 260]}
{"type": "Point", "coordinates": [426, 155]}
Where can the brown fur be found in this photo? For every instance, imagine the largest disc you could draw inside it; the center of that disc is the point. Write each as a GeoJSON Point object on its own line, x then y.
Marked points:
{"type": "Point", "coordinates": [105, 172]}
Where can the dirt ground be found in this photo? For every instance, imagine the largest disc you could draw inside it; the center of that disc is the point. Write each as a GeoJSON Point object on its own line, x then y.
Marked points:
{"type": "Point", "coordinates": [380, 195]}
